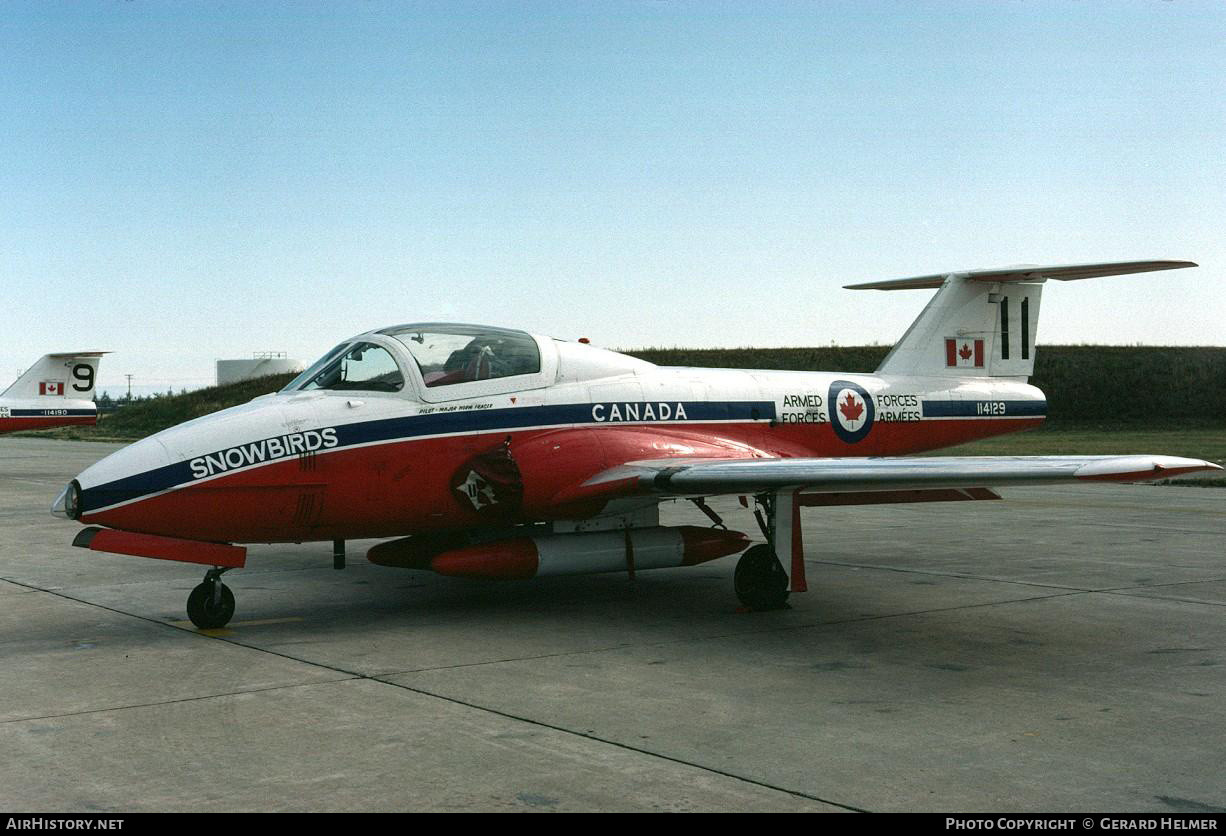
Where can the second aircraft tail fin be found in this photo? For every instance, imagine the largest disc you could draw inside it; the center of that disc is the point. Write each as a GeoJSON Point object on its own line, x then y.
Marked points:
{"type": "Point", "coordinates": [59, 377]}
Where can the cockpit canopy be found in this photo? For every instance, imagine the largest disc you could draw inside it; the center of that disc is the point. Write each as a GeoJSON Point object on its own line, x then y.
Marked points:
{"type": "Point", "coordinates": [445, 355]}
{"type": "Point", "coordinates": [449, 354]}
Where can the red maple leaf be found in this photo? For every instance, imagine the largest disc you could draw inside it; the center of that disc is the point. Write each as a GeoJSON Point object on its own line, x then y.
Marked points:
{"type": "Point", "coordinates": [965, 352]}
{"type": "Point", "coordinates": [850, 409]}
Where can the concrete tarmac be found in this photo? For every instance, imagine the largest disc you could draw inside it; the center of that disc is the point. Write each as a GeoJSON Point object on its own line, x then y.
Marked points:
{"type": "Point", "coordinates": [1063, 650]}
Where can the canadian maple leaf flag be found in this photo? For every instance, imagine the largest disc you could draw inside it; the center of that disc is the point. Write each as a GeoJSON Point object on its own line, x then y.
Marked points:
{"type": "Point", "coordinates": [963, 354]}
{"type": "Point", "coordinates": [51, 387]}
{"type": "Point", "coordinates": [851, 408]}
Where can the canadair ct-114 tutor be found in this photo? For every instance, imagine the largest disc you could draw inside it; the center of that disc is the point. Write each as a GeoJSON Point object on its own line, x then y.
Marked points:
{"type": "Point", "coordinates": [56, 391]}
{"type": "Point", "coordinates": [492, 453]}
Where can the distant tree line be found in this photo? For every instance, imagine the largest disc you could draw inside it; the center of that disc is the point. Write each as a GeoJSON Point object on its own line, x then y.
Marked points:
{"type": "Point", "coordinates": [108, 404]}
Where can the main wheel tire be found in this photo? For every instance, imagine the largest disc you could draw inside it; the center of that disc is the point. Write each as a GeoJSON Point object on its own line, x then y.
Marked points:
{"type": "Point", "coordinates": [206, 613]}
{"type": "Point", "coordinates": [759, 580]}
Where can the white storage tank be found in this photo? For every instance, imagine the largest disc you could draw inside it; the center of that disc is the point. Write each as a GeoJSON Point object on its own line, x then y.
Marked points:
{"type": "Point", "coordinates": [261, 364]}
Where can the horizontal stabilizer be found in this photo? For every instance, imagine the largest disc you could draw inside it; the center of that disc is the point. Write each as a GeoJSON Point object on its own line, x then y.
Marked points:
{"type": "Point", "coordinates": [1027, 273]}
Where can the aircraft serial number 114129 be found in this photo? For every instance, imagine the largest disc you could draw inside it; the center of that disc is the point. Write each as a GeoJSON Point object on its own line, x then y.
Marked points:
{"type": "Point", "coordinates": [494, 453]}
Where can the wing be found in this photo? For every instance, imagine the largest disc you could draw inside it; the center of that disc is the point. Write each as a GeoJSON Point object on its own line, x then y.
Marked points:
{"type": "Point", "coordinates": [709, 477]}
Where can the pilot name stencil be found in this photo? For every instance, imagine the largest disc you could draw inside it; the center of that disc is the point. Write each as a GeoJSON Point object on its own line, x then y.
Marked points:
{"type": "Point", "coordinates": [464, 407]}
{"type": "Point", "coordinates": [265, 450]}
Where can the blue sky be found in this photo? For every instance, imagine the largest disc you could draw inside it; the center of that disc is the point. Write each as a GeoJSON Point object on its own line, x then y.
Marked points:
{"type": "Point", "coordinates": [187, 181]}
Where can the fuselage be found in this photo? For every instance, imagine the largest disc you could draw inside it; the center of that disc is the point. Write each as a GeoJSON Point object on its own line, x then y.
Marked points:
{"type": "Point", "coordinates": [342, 464]}
{"type": "Point", "coordinates": [29, 414]}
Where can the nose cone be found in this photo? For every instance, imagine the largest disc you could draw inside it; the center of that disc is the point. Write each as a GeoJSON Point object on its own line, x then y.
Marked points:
{"type": "Point", "coordinates": [122, 477]}
{"type": "Point", "coordinates": [134, 488]}
{"type": "Point", "coordinates": [68, 503]}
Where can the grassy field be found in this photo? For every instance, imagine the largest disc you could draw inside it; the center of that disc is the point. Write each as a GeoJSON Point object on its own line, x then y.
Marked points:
{"type": "Point", "coordinates": [1207, 443]}
{"type": "Point", "coordinates": [1201, 443]}
{"type": "Point", "coordinates": [1147, 386]}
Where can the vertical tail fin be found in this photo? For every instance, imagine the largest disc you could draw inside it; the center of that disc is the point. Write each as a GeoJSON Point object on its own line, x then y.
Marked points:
{"type": "Point", "coordinates": [982, 323]}
{"type": "Point", "coordinates": [971, 329]}
{"type": "Point", "coordinates": [59, 378]}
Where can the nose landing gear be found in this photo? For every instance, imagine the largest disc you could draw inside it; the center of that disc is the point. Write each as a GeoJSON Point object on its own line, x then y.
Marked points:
{"type": "Point", "coordinates": [211, 604]}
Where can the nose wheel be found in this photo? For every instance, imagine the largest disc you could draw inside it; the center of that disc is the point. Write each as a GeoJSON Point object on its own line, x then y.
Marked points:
{"type": "Point", "coordinates": [211, 604]}
{"type": "Point", "coordinates": [759, 580]}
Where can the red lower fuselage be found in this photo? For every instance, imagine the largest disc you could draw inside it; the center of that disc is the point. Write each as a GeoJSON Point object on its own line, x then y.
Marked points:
{"type": "Point", "coordinates": [403, 487]}
{"type": "Point", "coordinates": [19, 423]}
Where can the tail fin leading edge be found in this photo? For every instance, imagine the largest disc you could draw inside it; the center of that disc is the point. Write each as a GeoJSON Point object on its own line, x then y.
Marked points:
{"type": "Point", "coordinates": [982, 323]}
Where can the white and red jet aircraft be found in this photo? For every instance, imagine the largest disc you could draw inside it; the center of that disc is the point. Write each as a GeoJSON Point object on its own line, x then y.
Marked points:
{"type": "Point", "coordinates": [494, 453]}
{"type": "Point", "coordinates": [56, 391]}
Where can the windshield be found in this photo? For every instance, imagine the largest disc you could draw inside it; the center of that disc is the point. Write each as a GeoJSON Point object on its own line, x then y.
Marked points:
{"type": "Point", "coordinates": [448, 355]}
{"type": "Point", "coordinates": [313, 369]}
{"type": "Point", "coordinates": [362, 367]}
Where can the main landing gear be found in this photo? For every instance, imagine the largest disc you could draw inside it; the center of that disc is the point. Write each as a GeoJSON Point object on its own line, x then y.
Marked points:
{"type": "Point", "coordinates": [759, 579]}
{"type": "Point", "coordinates": [211, 604]}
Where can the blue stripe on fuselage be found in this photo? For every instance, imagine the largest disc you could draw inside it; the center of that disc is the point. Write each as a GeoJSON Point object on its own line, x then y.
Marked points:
{"type": "Point", "coordinates": [50, 413]}
{"type": "Point", "coordinates": [433, 424]}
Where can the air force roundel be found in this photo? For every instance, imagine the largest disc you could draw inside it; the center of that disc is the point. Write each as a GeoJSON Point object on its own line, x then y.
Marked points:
{"type": "Point", "coordinates": [851, 410]}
